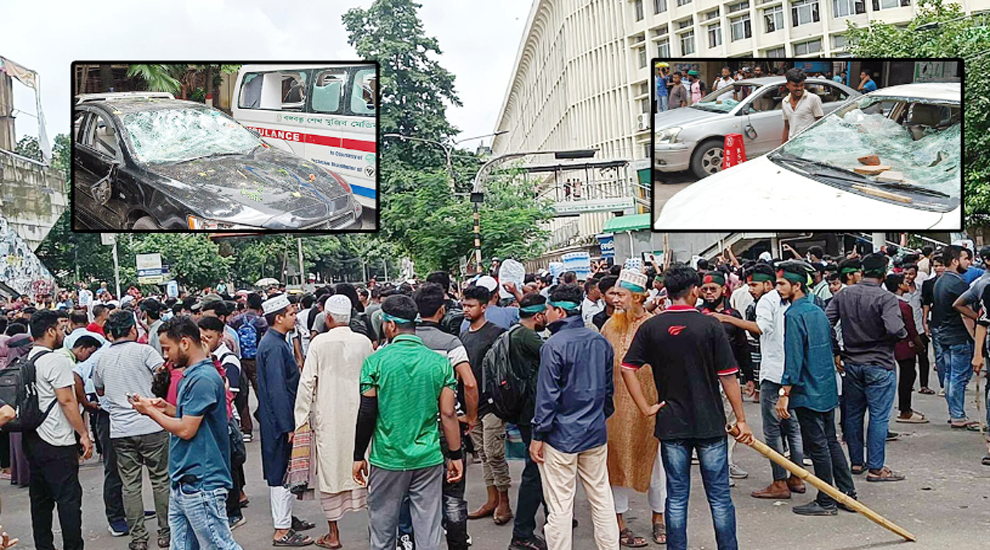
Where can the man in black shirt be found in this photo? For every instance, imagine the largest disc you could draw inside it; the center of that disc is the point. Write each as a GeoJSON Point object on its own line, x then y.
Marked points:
{"type": "Point", "coordinates": [927, 301]}
{"type": "Point", "coordinates": [604, 287]}
{"type": "Point", "coordinates": [952, 335]}
{"type": "Point", "coordinates": [488, 434]}
{"type": "Point", "coordinates": [690, 356]}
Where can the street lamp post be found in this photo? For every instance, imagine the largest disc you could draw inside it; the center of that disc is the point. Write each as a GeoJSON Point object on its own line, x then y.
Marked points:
{"type": "Point", "coordinates": [477, 190]}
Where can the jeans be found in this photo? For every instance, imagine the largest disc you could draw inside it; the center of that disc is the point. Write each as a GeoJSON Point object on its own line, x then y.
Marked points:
{"type": "Point", "coordinates": [714, 458]}
{"type": "Point", "coordinates": [530, 492]}
{"type": "Point", "coordinates": [868, 387]}
{"type": "Point", "coordinates": [774, 427]}
{"type": "Point", "coordinates": [54, 480]}
{"type": "Point", "coordinates": [454, 508]}
{"type": "Point", "coordinates": [198, 519]}
{"type": "Point", "coordinates": [940, 368]}
{"type": "Point", "coordinates": [831, 466]}
{"type": "Point", "coordinates": [662, 103]}
{"type": "Point", "coordinates": [151, 451]}
{"type": "Point", "coordinates": [905, 385]}
{"type": "Point", "coordinates": [113, 500]}
{"type": "Point", "coordinates": [386, 491]}
{"type": "Point", "coordinates": [958, 372]}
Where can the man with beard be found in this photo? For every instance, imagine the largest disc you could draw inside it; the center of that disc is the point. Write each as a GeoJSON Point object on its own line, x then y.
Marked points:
{"type": "Point", "coordinates": [629, 443]}
{"type": "Point", "coordinates": [714, 301]}
{"type": "Point", "coordinates": [952, 336]}
{"type": "Point", "coordinates": [768, 325]}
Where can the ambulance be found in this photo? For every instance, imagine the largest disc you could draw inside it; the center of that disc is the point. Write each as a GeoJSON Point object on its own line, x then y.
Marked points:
{"type": "Point", "coordinates": [324, 112]}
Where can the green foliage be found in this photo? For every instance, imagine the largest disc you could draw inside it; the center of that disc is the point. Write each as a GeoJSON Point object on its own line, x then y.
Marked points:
{"type": "Point", "coordinates": [158, 78]}
{"type": "Point", "coordinates": [194, 259]}
{"type": "Point", "coordinates": [28, 147]}
{"type": "Point", "coordinates": [969, 38]}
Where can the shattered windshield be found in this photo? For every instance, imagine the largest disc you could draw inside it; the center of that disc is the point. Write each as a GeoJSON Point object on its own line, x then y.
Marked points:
{"type": "Point", "coordinates": [900, 140]}
{"type": "Point", "coordinates": [174, 135]}
{"type": "Point", "coordinates": [725, 99]}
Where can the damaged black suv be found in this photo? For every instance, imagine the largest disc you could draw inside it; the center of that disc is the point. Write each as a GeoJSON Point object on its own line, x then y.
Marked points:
{"type": "Point", "coordinates": [146, 161]}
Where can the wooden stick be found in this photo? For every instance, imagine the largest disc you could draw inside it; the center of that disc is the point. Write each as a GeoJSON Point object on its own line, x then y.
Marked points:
{"type": "Point", "coordinates": [831, 491]}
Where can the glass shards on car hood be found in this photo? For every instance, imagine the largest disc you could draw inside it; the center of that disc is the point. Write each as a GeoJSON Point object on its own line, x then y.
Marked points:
{"type": "Point", "coordinates": [928, 156]}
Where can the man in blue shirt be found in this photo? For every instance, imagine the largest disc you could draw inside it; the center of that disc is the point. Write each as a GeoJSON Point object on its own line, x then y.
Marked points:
{"type": "Point", "coordinates": [810, 387]}
{"type": "Point", "coordinates": [662, 89]}
{"type": "Point", "coordinates": [199, 449]}
{"type": "Point", "coordinates": [573, 400]}
{"type": "Point", "coordinates": [866, 83]}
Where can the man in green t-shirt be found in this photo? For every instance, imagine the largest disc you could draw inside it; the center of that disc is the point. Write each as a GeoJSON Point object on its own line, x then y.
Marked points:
{"type": "Point", "coordinates": [404, 386]}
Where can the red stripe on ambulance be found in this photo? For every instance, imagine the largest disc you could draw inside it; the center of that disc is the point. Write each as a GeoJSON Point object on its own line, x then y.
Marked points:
{"type": "Point", "coordinates": [326, 141]}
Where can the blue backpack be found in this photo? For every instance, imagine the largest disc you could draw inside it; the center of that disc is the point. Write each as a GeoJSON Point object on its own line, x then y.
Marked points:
{"type": "Point", "coordinates": [247, 337]}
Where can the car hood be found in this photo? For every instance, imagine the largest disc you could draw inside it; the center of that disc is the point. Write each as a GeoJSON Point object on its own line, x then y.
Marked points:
{"type": "Point", "coordinates": [760, 195]}
{"type": "Point", "coordinates": [254, 188]}
{"type": "Point", "coordinates": [683, 117]}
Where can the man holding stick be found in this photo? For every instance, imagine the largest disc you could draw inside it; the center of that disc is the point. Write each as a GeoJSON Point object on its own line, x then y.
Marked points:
{"type": "Point", "coordinates": [690, 355]}
{"type": "Point", "coordinates": [809, 386]}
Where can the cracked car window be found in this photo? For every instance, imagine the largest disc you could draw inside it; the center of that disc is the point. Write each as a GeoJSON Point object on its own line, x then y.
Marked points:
{"type": "Point", "coordinates": [174, 135]}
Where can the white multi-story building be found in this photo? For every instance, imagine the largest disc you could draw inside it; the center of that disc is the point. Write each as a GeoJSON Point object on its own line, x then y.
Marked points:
{"type": "Point", "coordinates": [582, 76]}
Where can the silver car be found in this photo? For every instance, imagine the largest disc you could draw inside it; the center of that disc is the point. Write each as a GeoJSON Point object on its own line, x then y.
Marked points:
{"type": "Point", "coordinates": [692, 138]}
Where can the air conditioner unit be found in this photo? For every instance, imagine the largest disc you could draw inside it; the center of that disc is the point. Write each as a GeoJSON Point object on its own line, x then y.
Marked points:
{"type": "Point", "coordinates": [643, 121]}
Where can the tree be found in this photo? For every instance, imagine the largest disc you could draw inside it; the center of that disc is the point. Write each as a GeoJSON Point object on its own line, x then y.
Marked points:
{"type": "Point", "coordinates": [955, 35]}
{"type": "Point", "coordinates": [415, 90]}
{"type": "Point", "coordinates": [28, 147]}
{"type": "Point", "coordinates": [194, 259]}
{"type": "Point", "coordinates": [157, 78]}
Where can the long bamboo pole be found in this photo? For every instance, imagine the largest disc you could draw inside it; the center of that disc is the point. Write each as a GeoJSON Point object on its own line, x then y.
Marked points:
{"type": "Point", "coordinates": [831, 491]}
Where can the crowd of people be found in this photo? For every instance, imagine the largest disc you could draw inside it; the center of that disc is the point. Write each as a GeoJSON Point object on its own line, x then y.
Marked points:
{"type": "Point", "coordinates": [377, 397]}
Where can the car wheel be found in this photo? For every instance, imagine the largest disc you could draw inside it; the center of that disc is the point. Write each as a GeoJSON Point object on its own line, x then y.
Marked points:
{"type": "Point", "coordinates": [707, 158]}
{"type": "Point", "coordinates": [146, 223]}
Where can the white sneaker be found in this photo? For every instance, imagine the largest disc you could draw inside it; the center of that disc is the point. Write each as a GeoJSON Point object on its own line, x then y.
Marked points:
{"type": "Point", "coordinates": [735, 472]}
{"type": "Point", "coordinates": [405, 543]}
{"type": "Point", "coordinates": [941, 392]}
{"type": "Point", "coordinates": [732, 482]}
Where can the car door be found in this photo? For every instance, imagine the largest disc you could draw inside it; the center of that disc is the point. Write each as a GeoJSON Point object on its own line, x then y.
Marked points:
{"type": "Point", "coordinates": [831, 95]}
{"type": "Point", "coordinates": [766, 119]}
{"type": "Point", "coordinates": [94, 166]}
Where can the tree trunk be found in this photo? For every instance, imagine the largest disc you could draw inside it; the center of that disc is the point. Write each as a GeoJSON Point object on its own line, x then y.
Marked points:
{"type": "Point", "coordinates": [208, 85]}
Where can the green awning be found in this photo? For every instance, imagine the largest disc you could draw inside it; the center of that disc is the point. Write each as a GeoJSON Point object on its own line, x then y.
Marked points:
{"type": "Point", "coordinates": [620, 224]}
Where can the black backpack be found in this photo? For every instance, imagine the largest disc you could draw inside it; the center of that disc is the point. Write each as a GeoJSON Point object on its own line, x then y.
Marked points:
{"type": "Point", "coordinates": [507, 389]}
{"type": "Point", "coordinates": [19, 389]}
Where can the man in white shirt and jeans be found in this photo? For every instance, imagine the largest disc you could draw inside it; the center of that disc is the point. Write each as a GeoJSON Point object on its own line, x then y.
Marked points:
{"type": "Point", "coordinates": [800, 108]}
{"type": "Point", "coordinates": [51, 450]}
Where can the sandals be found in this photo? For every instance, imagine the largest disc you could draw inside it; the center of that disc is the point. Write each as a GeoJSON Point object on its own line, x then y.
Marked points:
{"type": "Point", "coordinates": [927, 391]}
{"type": "Point", "coordinates": [885, 474]}
{"type": "Point", "coordinates": [292, 539]}
{"type": "Point", "coordinates": [502, 520]}
{"type": "Point", "coordinates": [659, 533]}
{"type": "Point", "coordinates": [915, 418]}
{"type": "Point", "coordinates": [301, 524]}
{"type": "Point", "coordinates": [322, 543]}
{"type": "Point", "coordinates": [986, 460]}
{"type": "Point", "coordinates": [971, 425]}
{"type": "Point", "coordinates": [857, 469]}
{"type": "Point", "coordinates": [627, 539]}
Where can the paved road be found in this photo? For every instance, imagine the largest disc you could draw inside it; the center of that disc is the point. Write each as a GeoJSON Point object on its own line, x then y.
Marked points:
{"type": "Point", "coordinates": [944, 501]}
{"type": "Point", "coordinates": [667, 185]}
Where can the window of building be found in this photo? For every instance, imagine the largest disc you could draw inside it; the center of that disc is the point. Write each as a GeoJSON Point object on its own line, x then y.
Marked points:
{"type": "Point", "coordinates": [660, 31]}
{"type": "Point", "coordinates": [683, 2]}
{"type": "Point", "coordinates": [685, 23]}
{"type": "Point", "coordinates": [642, 57]}
{"type": "Point", "coordinates": [644, 88]}
{"type": "Point", "coordinates": [659, 6]}
{"type": "Point", "coordinates": [773, 18]}
{"type": "Point", "coordinates": [663, 48]}
{"type": "Point", "coordinates": [842, 8]}
{"type": "Point", "coordinates": [641, 37]}
{"type": "Point", "coordinates": [639, 10]}
{"type": "Point", "coordinates": [644, 105]}
{"type": "Point", "coordinates": [738, 6]}
{"type": "Point", "coordinates": [741, 28]}
{"type": "Point", "coordinates": [687, 43]}
{"type": "Point", "coordinates": [715, 35]}
{"type": "Point", "coordinates": [804, 12]}
{"type": "Point", "coordinates": [839, 42]}
{"type": "Point", "coordinates": [889, 4]}
{"type": "Point", "coordinates": [711, 15]}
{"type": "Point", "coordinates": [775, 52]}
{"type": "Point", "coordinates": [809, 47]}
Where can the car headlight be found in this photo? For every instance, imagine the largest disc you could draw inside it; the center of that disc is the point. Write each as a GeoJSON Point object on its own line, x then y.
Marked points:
{"type": "Point", "coordinates": [668, 135]}
{"type": "Point", "coordinates": [195, 222]}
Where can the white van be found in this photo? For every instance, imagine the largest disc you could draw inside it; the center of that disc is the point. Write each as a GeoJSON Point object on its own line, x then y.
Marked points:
{"type": "Point", "coordinates": [323, 112]}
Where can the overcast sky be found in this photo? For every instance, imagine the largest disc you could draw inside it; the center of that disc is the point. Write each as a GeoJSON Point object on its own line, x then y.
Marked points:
{"type": "Point", "coordinates": [479, 41]}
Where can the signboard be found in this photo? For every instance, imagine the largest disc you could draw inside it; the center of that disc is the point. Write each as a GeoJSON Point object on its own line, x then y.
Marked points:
{"type": "Point", "coordinates": [149, 269]}
{"type": "Point", "coordinates": [172, 289]}
{"type": "Point", "coordinates": [606, 243]}
{"type": "Point", "coordinates": [597, 205]}
{"type": "Point", "coordinates": [108, 239]}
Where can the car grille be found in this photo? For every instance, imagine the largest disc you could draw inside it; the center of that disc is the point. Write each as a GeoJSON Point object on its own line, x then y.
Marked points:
{"type": "Point", "coordinates": [337, 222]}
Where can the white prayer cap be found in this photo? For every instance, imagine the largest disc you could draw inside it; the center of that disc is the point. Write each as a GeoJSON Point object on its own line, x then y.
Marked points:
{"type": "Point", "coordinates": [338, 304]}
{"type": "Point", "coordinates": [765, 256]}
{"type": "Point", "coordinates": [276, 304]}
{"type": "Point", "coordinates": [488, 282]}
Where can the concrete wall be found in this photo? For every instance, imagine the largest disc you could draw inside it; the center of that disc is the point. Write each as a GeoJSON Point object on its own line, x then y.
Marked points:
{"type": "Point", "coordinates": [32, 197]}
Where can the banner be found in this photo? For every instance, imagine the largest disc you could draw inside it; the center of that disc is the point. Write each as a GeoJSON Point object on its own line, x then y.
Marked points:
{"type": "Point", "coordinates": [31, 79]}
{"type": "Point", "coordinates": [606, 243]}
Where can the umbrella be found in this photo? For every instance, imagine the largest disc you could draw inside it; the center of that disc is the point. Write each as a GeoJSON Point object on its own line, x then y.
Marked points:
{"type": "Point", "coordinates": [268, 281]}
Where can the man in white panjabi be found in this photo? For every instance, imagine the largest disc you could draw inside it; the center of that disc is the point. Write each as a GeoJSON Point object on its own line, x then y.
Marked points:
{"type": "Point", "coordinates": [328, 398]}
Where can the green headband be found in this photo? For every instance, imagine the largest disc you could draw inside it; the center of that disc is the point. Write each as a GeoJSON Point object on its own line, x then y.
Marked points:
{"type": "Point", "coordinates": [798, 278]}
{"type": "Point", "coordinates": [394, 319]}
{"type": "Point", "coordinates": [566, 305]}
{"type": "Point", "coordinates": [536, 308]}
{"type": "Point", "coordinates": [848, 270]}
{"type": "Point", "coordinates": [631, 286]}
{"type": "Point", "coordinates": [760, 277]}
{"type": "Point", "coordinates": [713, 277]}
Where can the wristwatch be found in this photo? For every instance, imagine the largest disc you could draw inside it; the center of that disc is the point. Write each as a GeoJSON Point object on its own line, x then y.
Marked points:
{"type": "Point", "coordinates": [783, 393]}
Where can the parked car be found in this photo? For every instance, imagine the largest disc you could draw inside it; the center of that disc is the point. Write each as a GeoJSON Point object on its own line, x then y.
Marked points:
{"type": "Point", "coordinates": [145, 162]}
{"type": "Point", "coordinates": [692, 138]}
{"type": "Point", "coordinates": [915, 130]}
